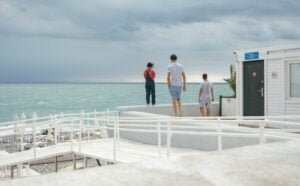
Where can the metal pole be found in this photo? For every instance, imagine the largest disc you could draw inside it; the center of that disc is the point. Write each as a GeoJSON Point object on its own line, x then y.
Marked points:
{"type": "Point", "coordinates": [56, 163]}
{"type": "Point", "coordinates": [16, 121]}
{"type": "Point", "coordinates": [85, 162]}
{"type": "Point", "coordinates": [95, 117]}
{"type": "Point", "coordinates": [55, 129]}
{"type": "Point", "coordinates": [169, 140]}
{"type": "Point", "coordinates": [159, 138]}
{"type": "Point", "coordinates": [20, 130]}
{"type": "Point", "coordinates": [80, 133]}
{"type": "Point", "coordinates": [88, 127]}
{"type": "Point", "coordinates": [34, 117]}
{"type": "Point", "coordinates": [115, 143]}
{"type": "Point", "coordinates": [72, 134]}
{"type": "Point", "coordinates": [19, 170]}
{"type": "Point", "coordinates": [12, 172]}
{"type": "Point", "coordinates": [74, 161]}
{"type": "Point", "coordinates": [118, 131]}
{"type": "Point", "coordinates": [22, 139]}
{"type": "Point", "coordinates": [80, 129]}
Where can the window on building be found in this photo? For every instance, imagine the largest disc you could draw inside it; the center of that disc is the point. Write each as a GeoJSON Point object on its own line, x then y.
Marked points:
{"type": "Point", "coordinates": [295, 80]}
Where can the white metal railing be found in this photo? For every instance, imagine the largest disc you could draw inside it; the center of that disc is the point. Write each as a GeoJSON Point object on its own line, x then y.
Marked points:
{"type": "Point", "coordinates": [80, 127]}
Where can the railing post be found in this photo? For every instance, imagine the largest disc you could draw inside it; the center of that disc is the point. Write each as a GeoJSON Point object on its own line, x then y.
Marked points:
{"type": "Point", "coordinates": [115, 143]}
{"type": "Point", "coordinates": [169, 135]}
{"type": "Point", "coordinates": [84, 162]}
{"type": "Point", "coordinates": [88, 127]}
{"type": "Point", "coordinates": [16, 121]}
{"type": "Point", "coordinates": [22, 138]}
{"type": "Point", "coordinates": [80, 136]}
{"type": "Point", "coordinates": [20, 130]}
{"type": "Point", "coordinates": [81, 124]}
{"type": "Point", "coordinates": [56, 163]}
{"type": "Point", "coordinates": [19, 170]}
{"type": "Point", "coordinates": [60, 124]}
{"type": "Point", "coordinates": [12, 172]}
{"type": "Point", "coordinates": [159, 138]}
{"type": "Point", "coordinates": [34, 117]}
{"type": "Point", "coordinates": [219, 130]}
{"type": "Point", "coordinates": [118, 131]}
{"type": "Point", "coordinates": [95, 118]}
{"type": "Point", "coordinates": [55, 128]}
{"type": "Point", "coordinates": [262, 139]}
{"type": "Point", "coordinates": [72, 134]}
{"type": "Point", "coordinates": [107, 117]}
{"type": "Point", "coordinates": [74, 161]}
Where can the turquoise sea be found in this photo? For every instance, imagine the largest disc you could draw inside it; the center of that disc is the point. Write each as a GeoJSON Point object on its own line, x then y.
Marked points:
{"type": "Point", "coordinates": [45, 99]}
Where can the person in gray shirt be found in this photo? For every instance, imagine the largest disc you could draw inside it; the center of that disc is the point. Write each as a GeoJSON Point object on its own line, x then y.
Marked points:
{"type": "Point", "coordinates": [176, 82]}
{"type": "Point", "coordinates": [206, 96]}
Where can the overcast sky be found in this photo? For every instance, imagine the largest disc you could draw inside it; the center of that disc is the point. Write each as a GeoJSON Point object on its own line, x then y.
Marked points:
{"type": "Point", "coordinates": [111, 40]}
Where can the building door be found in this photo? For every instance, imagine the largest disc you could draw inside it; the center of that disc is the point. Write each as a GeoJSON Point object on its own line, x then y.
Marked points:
{"type": "Point", "coordinates": [254, 88]}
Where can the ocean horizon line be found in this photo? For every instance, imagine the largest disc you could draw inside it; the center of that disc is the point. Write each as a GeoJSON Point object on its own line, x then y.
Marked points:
{"type": "Point", "coordinates": [100, 82]}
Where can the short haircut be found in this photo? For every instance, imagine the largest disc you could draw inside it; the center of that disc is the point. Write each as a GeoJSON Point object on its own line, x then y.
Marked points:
{"type": "Point", "coordinates": [173, 57]}
{"type": "Point", "coordinates": [204, 76]}
{"type": "Point", "coordinates": [150, 65]}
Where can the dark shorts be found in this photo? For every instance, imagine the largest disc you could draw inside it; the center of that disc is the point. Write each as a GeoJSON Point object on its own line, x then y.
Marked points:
{"type": "Point", "coordinates": [205, 102]}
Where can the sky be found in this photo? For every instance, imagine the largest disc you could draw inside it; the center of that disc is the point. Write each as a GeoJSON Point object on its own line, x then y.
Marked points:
{"type": "Point", "coordinates": [112, 40]}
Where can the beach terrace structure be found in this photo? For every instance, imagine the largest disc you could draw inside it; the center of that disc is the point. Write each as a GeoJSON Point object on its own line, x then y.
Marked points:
{"type": "Point", "coordinates": [253, 139]}
{"type": "Point", "coordinates": [153, 147]}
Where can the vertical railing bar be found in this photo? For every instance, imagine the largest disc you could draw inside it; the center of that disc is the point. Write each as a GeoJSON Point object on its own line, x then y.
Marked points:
{"type": "Point", "coordinates": [219, 130]}
{"type": "Point", "coordinates": [55, 128]}
{"type": "Point", "coordinates": [34, 117]}
{"type": "Point", "coordinates": [169, 139]}
{"type": "Point", "coordinates": [80, 134]}
{"type": "Point", "coordinates": [118, 131]}
{"type": "Point", "coordinates": [88, 126]}
{"type": "Point", "coordinates": [115, 143]}
{"type": "Point", "coordinates": [159, 137]}
{"type": "Point", "coordinates": [22, 136]}
{"type": "Point", "coordinates": [72, 134]}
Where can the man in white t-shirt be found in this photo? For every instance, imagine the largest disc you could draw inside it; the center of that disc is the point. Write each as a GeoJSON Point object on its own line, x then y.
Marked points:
{"type": "Point", "coordinates": [176, 83]}
{"type": "Point", "coordinates": [206, 96]}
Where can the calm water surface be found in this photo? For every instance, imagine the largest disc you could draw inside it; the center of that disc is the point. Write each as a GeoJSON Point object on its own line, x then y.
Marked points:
{"type": "Point", "coordinates": [48, 99]}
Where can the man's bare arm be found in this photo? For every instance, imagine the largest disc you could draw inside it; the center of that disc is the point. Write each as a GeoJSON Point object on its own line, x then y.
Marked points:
{"type": "Point", "coordinates": [184, 81]}
{"type": "Point", "coordinates": [168, 79]}
{"type": "Point", "coordinates": [200, 93]}
{"type": "Point", "coordinates": [212, 94]}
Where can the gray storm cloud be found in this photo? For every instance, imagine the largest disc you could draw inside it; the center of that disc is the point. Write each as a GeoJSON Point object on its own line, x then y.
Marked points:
{"type": "Point", "coordinates": [72, 40]}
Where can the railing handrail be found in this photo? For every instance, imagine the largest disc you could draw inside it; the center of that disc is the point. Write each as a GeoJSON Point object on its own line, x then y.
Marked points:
{"type": "Point", "coordinates": [110, 120]}
{"type": "Point", "coordinates": [53, 116]}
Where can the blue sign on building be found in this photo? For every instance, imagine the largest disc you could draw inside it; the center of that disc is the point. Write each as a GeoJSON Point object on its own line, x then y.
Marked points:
{"type": "Point", "coordinates": [251, 55]}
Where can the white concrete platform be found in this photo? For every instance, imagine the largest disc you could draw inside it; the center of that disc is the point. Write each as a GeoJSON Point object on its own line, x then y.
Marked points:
{"type": "Point", "coordinates": [99, 149]}
{"type": "Point", "coordinates": [266, 165]}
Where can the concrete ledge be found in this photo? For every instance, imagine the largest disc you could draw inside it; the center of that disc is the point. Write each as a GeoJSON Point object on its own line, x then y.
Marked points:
{"type": "Point", "coordinates": [189, 109]}
{"type": "Point", "coordinates": [140, 114]}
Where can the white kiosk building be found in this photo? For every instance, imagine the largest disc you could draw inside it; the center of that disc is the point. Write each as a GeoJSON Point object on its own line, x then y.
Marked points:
{"type": "Point", "coordinates": [268, 81]}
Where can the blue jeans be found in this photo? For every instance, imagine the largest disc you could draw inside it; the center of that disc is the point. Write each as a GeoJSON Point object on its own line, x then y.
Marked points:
{"type": "Point", "coordinates": [150, 91]}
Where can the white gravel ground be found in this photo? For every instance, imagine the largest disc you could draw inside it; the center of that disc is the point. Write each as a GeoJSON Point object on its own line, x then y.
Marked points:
{"type": "Point", "coordinates": [270, 164]}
